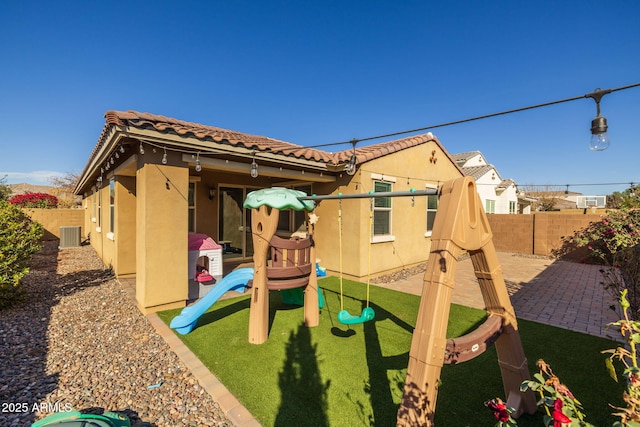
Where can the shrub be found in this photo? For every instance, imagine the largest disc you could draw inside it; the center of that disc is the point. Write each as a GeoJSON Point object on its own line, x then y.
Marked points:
{"type": "Point", "coordinates": [605, 239]}
{"type": "Point", "coordinates": [19, 241]}
{"type": "Point", "coordinates": [613, 242]}
{"type": "Point", "coordinates": [35, 200]}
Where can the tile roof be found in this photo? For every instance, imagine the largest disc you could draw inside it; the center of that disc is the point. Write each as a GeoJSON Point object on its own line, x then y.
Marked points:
{"type": "Point", "coordinates": [504, 184]}
{"type": "Point", "coordinates": [463, 157]}
{"type": "Point", "coordinates": [217, 138]}
{"type": "Point", "coordinates": [477, 172]}
{"type": "Point", "coordinates": [218, 135]}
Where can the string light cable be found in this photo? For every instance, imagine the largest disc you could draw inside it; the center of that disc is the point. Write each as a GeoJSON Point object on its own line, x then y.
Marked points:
{"type": "Point", "coordinates": [595, 95]}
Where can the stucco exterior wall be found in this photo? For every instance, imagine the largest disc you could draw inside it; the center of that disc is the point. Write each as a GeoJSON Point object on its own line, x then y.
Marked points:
{"type": "Point", "coordinates": [162, 215]}
{"type": "Point", "coordinates": [503, 199]}
{"type": "Point", "coordinates": [99, 225]}
{"type": "Point", "coordinates": [409, 168]}
{"type": "Point", "coordinates": [125, 227]}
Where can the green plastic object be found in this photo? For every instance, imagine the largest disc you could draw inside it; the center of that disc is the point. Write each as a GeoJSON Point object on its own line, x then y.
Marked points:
{"type": "Point", "coordinates": [295, 296]}
{"type": "Point", "coordinates": [346, 318]}
{"type": "Point", "coordinates": [79, 419]}
{"type": "Point", "coordinates": [279, 198]}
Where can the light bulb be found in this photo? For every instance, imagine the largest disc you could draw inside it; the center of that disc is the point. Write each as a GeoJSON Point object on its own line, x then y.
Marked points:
{"type": "Point", "coordinates": [599, 141]}
{"type": "Point", "coordinates": [198, 166]}
{"type": "Point", "coordinates": [599, 137]}
{"type": "Point", "coordinates": [164, 157]}
{"type": "Point", "coordinates": [254, 169]}
{"type": "Point", "coordinates": [141, 149]}
{"type": "Point", "coordinates": [351, 166]}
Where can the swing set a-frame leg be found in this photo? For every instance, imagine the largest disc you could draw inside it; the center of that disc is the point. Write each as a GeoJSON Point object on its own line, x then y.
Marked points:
{"type": "Point", "coordinates": [460, 225]}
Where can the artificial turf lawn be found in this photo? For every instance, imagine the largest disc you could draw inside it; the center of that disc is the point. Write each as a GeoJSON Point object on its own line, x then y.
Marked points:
{"type": "Point", "coordinates": [335, 375]}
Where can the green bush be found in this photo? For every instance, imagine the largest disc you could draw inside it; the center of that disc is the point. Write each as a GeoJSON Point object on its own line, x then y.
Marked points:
{"type": "Point", "coordinates": [19, 241]}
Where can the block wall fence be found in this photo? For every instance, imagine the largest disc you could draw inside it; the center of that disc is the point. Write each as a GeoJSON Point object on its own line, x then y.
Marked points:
{"type": "Point", "coordinates": [537, 233]}
{"type": "Point", "coordinates": [53, 219]}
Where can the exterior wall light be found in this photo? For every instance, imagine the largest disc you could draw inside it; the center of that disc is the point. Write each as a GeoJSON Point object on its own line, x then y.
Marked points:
{"type": "Point", "coordinates": [212, 193]}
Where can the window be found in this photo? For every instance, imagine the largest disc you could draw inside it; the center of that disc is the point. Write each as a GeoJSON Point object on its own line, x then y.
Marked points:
{"type": "Point", "coordinates": [112, 205]}
{"type": "Point", "coordinates": [99, 195]}
{"type": "Point", "coordinates": [93, 205]}
{"type": "Point", "coordinates": [432, 207]}
{"type": "Point", "coordinates": [490, 206]}
{"type": "Point", "coordinates": [513, 207]}
{"type": "Point", "coordinates": [381, 210]}
{"type": "Point", "coordinates": [192, 207]}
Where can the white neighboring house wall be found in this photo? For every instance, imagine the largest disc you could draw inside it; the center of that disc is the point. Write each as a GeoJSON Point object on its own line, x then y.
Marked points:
{"type": "Point", "coordinates": [491, 187]}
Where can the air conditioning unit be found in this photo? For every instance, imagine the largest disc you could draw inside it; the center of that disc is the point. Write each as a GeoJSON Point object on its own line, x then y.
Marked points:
{"type": "Point", "coordinates": [69, 237]}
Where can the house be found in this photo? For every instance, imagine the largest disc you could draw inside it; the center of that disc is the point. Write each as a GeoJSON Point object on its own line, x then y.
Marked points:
{"type": "Point", "coordinates": [558, 200]}
{"type": "Point", "coordinates": [498, 195]}
{"type": "Point", "coordinates": [151, 180]}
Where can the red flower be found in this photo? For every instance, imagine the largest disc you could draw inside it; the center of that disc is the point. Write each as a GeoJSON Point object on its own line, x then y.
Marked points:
{"type": "Point", "coordinates": [558, 416]}
{"type": "Point", "coordinates": [499, 409]}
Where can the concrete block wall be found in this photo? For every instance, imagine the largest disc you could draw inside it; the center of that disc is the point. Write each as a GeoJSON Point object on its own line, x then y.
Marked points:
{"type": "Point", "coordinates": [53, 219]}
{"type": "Point", "coordinates": [512, 233]}
{"type": "Point", "coordinates": [538, 233]}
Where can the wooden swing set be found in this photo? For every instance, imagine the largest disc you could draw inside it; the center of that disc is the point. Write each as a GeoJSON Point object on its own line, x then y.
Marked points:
{"type": "Point", "coordinates": [460, 225]}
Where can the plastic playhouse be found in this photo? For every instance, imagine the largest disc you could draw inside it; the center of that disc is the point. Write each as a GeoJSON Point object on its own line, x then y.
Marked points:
{"type": "Point", "coordinates": [205, 264]}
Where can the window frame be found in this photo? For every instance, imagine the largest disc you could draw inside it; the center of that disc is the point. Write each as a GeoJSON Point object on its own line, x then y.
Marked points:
{"type": "Point", "coordinates": [99, 214]}
{"type": "Point", "coordinates": [191, 201]}
{"type": "Point", "coordinates": [93, 204]}
{"type": "Point", "coordinates": [429, 210]}
{"type": "Point", "coordinates": [112, 208]}
{"type": "Point", "coordinates": [387, 237]}
{"type": "Point", "coordinates": [490, 206]}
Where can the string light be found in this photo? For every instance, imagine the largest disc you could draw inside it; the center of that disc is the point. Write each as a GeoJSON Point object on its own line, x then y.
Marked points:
{"type": "Point", "coordinates": [254, 167]}
{"type": "Point", "coordinates": [198, 166]}
{"type": "Point", "coordinates": [141, 149]}
{"type": "Point", "coordinates": [596, 95]}
{"type": "Point", "coordinates": [164, 156]}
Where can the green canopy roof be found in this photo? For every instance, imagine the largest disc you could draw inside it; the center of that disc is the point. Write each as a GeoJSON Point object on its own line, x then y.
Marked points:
{"type": "Point", "coordinates": [279, 198]}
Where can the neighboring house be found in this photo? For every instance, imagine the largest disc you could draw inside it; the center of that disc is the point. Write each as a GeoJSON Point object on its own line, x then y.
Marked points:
{"type": "Point", "coordinates": [152, 180]}
{"type": "Point", "coordinates": [562, 200]}
{"type": "Point", "coordinates": [498, 195]}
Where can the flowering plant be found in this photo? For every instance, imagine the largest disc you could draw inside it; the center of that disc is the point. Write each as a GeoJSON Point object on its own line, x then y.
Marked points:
{"type": "Point", "coordinates": [34, 200]}
{"type": "Point", "coordinates": [560, 405]}
{"type": "Point", "coordinates": [501, 412]}
{"type": "Point", "coordinates": [630, 331]}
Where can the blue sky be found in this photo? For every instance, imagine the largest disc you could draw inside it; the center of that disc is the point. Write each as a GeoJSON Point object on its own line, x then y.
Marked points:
{"type": "Point", "coordinates": [315, 72]}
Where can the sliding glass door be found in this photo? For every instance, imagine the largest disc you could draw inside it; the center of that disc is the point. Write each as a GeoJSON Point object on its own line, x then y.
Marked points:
{"type": "Point", "coordinates": [235, 223]}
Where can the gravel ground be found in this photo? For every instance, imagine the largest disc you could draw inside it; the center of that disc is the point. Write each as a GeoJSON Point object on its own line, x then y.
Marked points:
{"type": "Point", "coordinates": [79, 342]}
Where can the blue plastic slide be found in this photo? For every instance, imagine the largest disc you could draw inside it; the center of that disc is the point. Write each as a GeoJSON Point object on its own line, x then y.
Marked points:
{"type": "Point", "coordinates": [186, 321]}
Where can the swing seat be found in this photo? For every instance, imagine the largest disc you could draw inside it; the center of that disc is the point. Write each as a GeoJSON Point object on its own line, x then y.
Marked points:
{"type": "Point", "coordinates": [346, 318]}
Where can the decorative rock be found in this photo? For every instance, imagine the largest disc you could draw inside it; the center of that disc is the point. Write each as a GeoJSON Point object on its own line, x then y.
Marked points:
{"type": "Point", "coordinates": [79, 343]}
